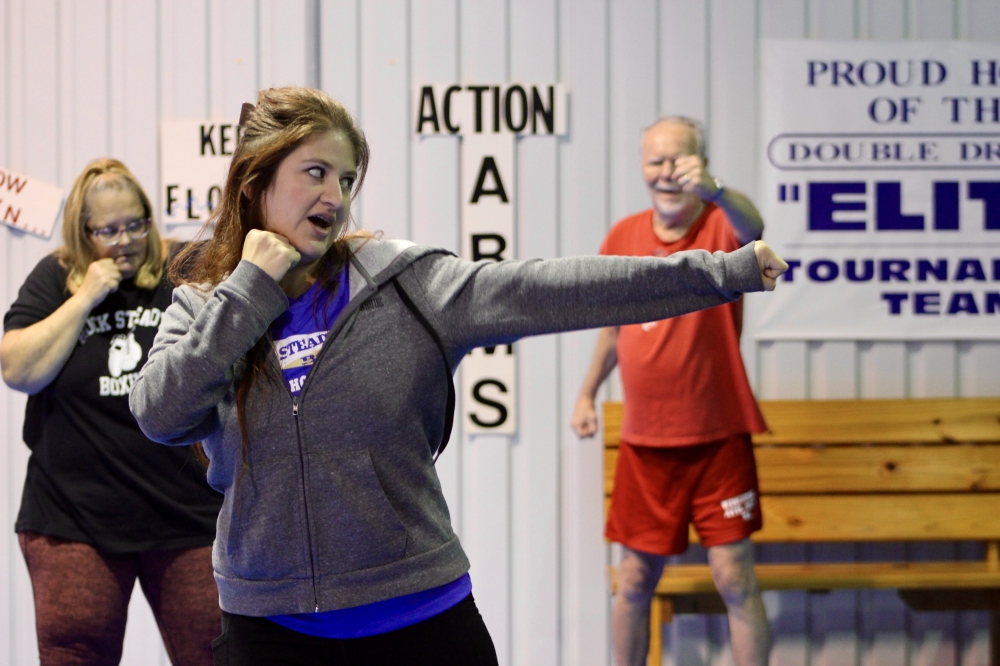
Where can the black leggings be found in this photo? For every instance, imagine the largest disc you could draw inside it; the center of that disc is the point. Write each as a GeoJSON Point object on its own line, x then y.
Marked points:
{"type": "Point", "coordinates": [456, 637]}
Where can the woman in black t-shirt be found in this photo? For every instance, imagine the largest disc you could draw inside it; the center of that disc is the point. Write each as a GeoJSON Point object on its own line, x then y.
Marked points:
{"type": "Point", "coordinates": [103, 505]}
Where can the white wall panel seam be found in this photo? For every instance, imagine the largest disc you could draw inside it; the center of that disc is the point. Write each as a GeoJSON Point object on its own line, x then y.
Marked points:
{"type": "Point", "coordinates": [709, 138]}
{"type": "Point", "coordinates": [256, 45]}
{"type": "Point", "coordinates": [158, 74]}
{"type": "Point", "coordinates": [459, 451]}
{"type": "Point", "coordinates": [408, 50]}
{"type": "Point", "coordinates": [658, 65]}
{"type": "Point", "coordinates": [560, 432]}
{"type": "Point", "coordinates": [359, 64]}
{"type": "Point", "coordinates": [109, 74]}
{"type": "Point", "coordinates": [313, 36]}
{"type": "Point", "coordinates": [207, 35]}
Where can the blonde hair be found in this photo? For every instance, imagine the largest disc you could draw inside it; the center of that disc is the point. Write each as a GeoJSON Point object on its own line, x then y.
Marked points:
{"type": "Point", "coordinates": [78, 250]}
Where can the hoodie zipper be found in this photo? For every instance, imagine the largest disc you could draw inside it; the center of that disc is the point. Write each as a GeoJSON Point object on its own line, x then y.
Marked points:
{"type": "Point", "coordinates": [371, 287]}
{"type": "Point", "coordinates": [305, 501]}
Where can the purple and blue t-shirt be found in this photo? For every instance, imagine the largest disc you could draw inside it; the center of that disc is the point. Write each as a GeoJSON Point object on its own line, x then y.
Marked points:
{"type": "Point", "coordinates": [298, 335]}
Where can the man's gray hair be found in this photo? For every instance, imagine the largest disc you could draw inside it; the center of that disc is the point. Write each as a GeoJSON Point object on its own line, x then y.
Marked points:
{"type": "Point", "coordinates": [696, 128]}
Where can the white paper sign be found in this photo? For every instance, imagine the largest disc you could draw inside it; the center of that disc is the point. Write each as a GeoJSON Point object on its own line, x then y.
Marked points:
{"type": "Point", "coordinates": [488, 375]}
{"type": "Point", "coordinates": [489, 386]}
{"type": "Point", "coordinates": [194, 160]}
{"type": "Point", "coordinates": [489, 118]}
{"type": "Point", "coordinates": [880, 173]}
{"type": "Point", "coordinates": [446, 109]}
{"type": "Point", "coordinates": [29, 204]}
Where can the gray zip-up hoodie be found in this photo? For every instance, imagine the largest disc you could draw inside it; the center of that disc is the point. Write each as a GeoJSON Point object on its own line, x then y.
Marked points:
{"type": "Point", "coordinates": [340, 504]}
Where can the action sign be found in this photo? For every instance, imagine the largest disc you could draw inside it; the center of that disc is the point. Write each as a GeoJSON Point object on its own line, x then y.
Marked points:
{"type": "Point", "coordinates": [489, 118]}
{"type": "Point", "coordinates": [881, 188]}
{"type": "Point", "coordinates": [29, 204]}
{"type": "Point", "coordinates": [194, 159]}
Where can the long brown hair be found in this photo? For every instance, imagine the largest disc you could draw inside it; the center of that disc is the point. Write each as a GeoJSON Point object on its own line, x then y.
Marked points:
{"type": "Point", "coordinates": [78, 250]}
{"type": "Point", "coordinates": [282, 120]}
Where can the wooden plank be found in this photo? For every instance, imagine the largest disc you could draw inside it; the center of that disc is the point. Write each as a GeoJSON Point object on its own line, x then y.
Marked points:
{"type": "Point", "coordinates": [927, 421]}
{"type": "Point", "coordinates": [886, 421]}
{"type": "Point", "coordinates": [944, 516]}
{"type": "Point", "coordinates": [696, 579]}
{"type": "Point", "coordinates": [866, 469]}
{"type": "Point", "coordinates": [878, 469]}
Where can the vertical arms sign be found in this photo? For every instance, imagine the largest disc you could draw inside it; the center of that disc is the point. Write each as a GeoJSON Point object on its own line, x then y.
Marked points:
{"type": "Point", "coordinates": [881, 187]}
{"type": "Point", "coordinates": [194, 159]}
{"type": "Point", "coordinates": [489, 118]}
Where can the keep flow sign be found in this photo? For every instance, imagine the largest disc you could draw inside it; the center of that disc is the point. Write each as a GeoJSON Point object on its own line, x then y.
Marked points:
{"type": "Point", "coordinates": [194, 159]}
{"type": "Point", "coordinates": [29, 204]}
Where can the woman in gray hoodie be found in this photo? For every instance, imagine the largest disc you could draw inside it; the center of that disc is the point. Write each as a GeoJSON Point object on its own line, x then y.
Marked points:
{"type": "Point", "coordinates": [315, 369]}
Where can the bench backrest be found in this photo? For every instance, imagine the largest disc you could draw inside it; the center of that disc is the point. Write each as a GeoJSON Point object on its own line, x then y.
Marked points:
{"type": "Point", "coordinates": [870, 470]}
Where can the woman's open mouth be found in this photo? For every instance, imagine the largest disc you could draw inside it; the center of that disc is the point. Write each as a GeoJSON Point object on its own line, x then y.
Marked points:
{"type": "Point", "coordinates": [322, 221]}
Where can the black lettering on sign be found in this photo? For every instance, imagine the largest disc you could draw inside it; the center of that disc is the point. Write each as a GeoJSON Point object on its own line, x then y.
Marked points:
{"type": "Point", "coordinates": [207, 139]}
{"type": "Point", "coordinates": [224, 138]}
{"type": "Point", "coordinates": [490, 351]}
{"type": "Point", "coordinates": [477, 395]}
{"type": "Point", "coordinates": [479, 90]}
{"type": "Point", "coordinates": [428, 109]}
{"type": "Point", "coordinates": [538, 107]}
{"type": "Point", "coordinates": [190, 207]}
{"type": "Point", "coordinates": [171, 199]}
{"type": "Point", "coordinates": [447, 109]}
{"type": "Point", "coordinates": [496, 109]}
{"type": "Point", "coordinates": [508, 107]}
{"type": "Point", "coordinates": [489, 167]}
{"type": "Point", "coordinates": [478, 252]}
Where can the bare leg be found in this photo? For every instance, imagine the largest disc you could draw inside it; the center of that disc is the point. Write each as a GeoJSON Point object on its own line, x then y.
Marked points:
{"type": "Point", "coordinates": [637, 577]}
{"type": "Point", "coordinates": [732, 569]}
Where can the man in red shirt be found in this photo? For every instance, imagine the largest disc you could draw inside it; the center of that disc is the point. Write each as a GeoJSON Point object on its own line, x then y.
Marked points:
{"type": "Point", "coordinates": [685, 455]}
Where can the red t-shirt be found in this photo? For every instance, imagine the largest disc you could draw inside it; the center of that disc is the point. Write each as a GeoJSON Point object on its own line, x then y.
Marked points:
{"type": "Point", "coordinates": [683, 378]}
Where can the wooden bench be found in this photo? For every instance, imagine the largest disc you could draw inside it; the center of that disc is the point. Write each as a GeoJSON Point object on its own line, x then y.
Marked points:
{"type": "Point", "coordinates": [862, 471]}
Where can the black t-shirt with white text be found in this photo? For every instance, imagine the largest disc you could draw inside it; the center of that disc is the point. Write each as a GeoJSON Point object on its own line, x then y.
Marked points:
{"type": "Point", "coordinates": [93, 476]}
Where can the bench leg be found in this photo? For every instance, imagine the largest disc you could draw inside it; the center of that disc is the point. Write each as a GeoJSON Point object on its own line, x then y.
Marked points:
{"type": "Point", "coordinates": [661, 611]}
{"type": "Point", "coordinates": [995, 637]}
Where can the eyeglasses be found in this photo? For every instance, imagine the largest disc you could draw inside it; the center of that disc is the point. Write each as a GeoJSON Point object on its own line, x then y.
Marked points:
{"type": "Point", "coordinates": [112, 234]}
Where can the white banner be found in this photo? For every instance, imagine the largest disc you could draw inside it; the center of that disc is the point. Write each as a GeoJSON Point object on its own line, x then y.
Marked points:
{"type": "Point", "coordinates": [880, 184]}
{"type": "Point", "coordinates": [28, 204]}
{"type": "Point", "coordinates": [194, 159]}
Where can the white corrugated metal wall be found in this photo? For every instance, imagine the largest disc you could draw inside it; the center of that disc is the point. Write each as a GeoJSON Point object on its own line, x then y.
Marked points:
{"type": "Point", "coordinates": [84, 78]}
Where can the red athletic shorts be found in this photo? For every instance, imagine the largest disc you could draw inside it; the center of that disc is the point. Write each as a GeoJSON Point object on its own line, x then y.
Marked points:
{"type": "Point", "coordinates": [660, 490]}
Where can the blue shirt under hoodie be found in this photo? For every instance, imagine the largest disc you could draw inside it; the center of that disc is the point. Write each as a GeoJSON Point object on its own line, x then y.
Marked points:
{"type": "Point", "coordinates": [298, 336]}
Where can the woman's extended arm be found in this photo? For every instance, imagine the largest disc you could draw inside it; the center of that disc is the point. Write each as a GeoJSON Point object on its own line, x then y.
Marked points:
{"type": "Point", "coordinates": [486, 304]}
{"type": "Point", "coordinates": [32, 357]}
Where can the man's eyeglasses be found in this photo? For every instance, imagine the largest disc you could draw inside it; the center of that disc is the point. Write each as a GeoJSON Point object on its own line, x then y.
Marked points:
{"type": "Point", "coordinates": [112, 234]}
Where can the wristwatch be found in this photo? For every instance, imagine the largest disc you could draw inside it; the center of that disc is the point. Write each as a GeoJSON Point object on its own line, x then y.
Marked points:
{"type": "Point", "coordinates": [720, 190]}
